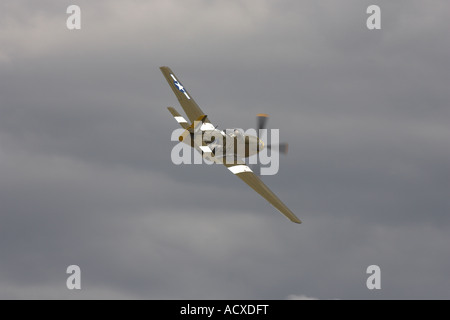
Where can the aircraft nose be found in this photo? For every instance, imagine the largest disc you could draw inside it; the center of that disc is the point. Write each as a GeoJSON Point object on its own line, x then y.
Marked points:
{"type": "Point", "coordinates": [261, 144]}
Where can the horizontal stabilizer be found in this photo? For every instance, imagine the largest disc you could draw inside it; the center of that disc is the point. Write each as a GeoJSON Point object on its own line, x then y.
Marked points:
{"type": "Point", "coordinates": [180, 119]}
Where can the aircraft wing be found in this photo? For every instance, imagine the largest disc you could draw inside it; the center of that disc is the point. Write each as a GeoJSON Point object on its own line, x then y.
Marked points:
{"type": "Point", "coordinates": [246, 175]}
{"type": "Point", "coordinates": [190, 107]}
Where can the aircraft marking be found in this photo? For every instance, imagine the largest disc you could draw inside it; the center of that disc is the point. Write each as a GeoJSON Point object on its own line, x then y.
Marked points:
{"type": "Point", "coordinates": [179, 86]}
{"type": "Point", "coordinates": [239, 169]}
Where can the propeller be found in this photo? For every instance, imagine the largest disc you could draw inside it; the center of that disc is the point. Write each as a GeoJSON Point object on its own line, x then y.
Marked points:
{"type": "Point", "coordinates": [261, 122]}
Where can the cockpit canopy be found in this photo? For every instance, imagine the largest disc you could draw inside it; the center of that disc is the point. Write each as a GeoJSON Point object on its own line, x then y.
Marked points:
{"type": "Point", "coordinates": [235, 132]}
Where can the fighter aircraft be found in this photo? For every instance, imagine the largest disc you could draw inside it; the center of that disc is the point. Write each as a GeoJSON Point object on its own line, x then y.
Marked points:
{"type": "Point", "coordinates": [213, 144]}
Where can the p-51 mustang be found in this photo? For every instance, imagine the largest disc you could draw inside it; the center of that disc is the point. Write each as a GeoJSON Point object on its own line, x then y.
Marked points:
{"type": "Point", "coordinates": [213, 144]}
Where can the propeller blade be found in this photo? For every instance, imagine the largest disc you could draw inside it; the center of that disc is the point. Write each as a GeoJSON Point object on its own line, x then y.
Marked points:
{"type": "Point", "coordinates": [282, 147]}
{"type": "Point", "coordinates": [261, 120]}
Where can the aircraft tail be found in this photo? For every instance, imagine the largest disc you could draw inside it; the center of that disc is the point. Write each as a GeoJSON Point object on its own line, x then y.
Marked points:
{"type": "Point", "coordinates": [180, 119]}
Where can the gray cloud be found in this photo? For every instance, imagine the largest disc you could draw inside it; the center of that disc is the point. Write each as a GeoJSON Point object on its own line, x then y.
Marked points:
{"type": "Point", "coordinates": [85, 167]}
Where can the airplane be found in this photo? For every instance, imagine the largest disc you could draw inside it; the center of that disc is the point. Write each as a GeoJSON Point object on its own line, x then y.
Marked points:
{"type": "Point", "coordinates": [212, 148]}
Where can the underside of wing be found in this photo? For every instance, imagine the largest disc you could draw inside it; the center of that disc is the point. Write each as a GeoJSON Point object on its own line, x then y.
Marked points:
{"type": "Point", "coordinates": [246, 175]}
{"type": "Point", "coordinates": [190, 107]}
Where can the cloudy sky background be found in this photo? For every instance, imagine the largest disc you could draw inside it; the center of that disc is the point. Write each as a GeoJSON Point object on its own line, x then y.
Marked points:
{"type": "Point", "coordinates": [85, 170]}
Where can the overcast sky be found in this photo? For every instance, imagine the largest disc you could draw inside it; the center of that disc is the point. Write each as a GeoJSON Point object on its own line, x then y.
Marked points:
{"type": "Point", "coordinates": [86, 176]}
